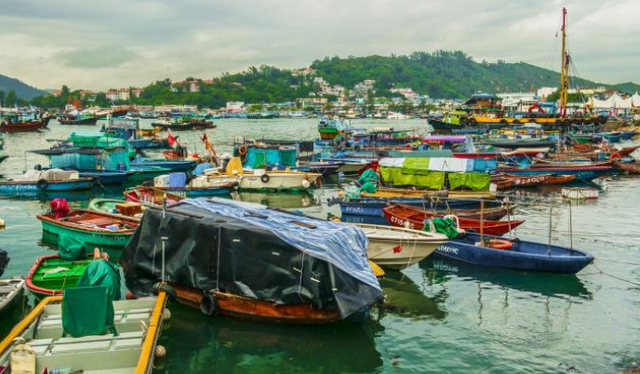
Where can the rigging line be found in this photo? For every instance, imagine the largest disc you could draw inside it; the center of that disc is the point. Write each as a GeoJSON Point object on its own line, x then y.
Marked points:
{"type": "Point", "coordinates": [616, 277]}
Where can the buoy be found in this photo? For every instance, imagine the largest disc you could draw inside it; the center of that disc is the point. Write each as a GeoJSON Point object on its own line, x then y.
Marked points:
{"type": "Point", "coordinates": [305, 183]}
{"type": "Point", "coordinates": [2, 223]}
{"type": "Point", "coordinates": [166, 315]}
{"type": "Point", "coordinates": [160, 351]}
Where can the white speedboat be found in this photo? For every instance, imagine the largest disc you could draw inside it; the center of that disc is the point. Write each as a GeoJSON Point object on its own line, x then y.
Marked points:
{"type": "Point", "coordinates": [38, 342]}
{"type": "Point", "coordinates": [398, 248]}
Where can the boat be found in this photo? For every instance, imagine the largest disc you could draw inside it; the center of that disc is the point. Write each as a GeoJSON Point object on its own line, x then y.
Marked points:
{"type": "Point", "coordinates": [46, 181]}
{"type": "Point", "coordinates": [177, 184]}
{"type": "Point", "coordinates": [173, 165]}
{"type": "Point", "coordinates": [151, 196]}
{"type": "Point", "coordinates": [23, 122]}
{"type": "Point", "coordinates": [325, 168]}
{"type": "Point", "coordinates": [90, 121]}
{"type": "Point", "coordinates": [117, 207]}
{"type": "Point", "coordinates": [515, 254]}
{"type": "Point", "coordinates": [183, 124]}
{"type": "Point", "coordinates": [580, 173]}
{"type": "Point", "coordinates": [50, 275]}
{"type": "Point", "coordinates": [329, 129]}
{"type": "Point", "coordinates": [374, 207]}
{"type": "Point", "coordinates": [106, 176]}
{"type": "Point", "coordinates": [399, 248]}
{"type": "Point", "coordinates": [259, 179]}
{"type": "Point", "coordinates": [628, 167]}
{"type": "Point", "coordinates": [94, 229]}
{"type": "Point", "coordinates": [30, 126]}
{"type": "Point", "coordinates": [409, 217]}
{"type": "Point", "coordinates": [225, 232]}
{"type": "Point", "coordinates": [10, 291]}
{"type": "Point", "coordinates": [4, 261]}
{"type": "Point", "coordinates": [46, 346]}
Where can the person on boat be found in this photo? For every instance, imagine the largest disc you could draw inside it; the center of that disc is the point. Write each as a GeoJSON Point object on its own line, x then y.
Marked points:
{"type": "Point", "coordinates": [59, 208]}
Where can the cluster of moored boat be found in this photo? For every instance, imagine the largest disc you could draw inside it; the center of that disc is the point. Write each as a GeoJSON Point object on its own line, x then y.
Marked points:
{"type": "Point", "coordinates": [180, 235]}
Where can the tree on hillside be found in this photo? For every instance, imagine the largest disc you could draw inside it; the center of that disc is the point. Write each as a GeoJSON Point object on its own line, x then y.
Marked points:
{"type": "Point", "coordinates": [11, 99]}
{"type": "Point", "coordinates": [2, 94]}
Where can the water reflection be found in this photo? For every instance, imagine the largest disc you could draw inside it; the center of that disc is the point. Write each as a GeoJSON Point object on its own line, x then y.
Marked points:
{"type": "Point", "coordinates": [544, 284]}
{"type": "Point", "coordinates": [406, 299]}
{"type": "Point", "coordinates": [200, 344]}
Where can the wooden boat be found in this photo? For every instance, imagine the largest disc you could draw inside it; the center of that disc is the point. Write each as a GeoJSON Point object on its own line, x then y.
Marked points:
{"type": "Point", "coordinates": [30, 126]}
{"type": "Point", "coordinates": [137, 322]}
{"type": "Point", "coordinates": [411, 193]}
{"type": "Point", "coordinates": [630, 168]}
{"type": "Point", "coordinates": [43, 185]}
{"type": "Point", "coordinates": [95, 229]}
{"type": "Point", "coordinates": [373, 206]}
{"type": "Point", "coordinates": [559, 179]}
{"type": "Point", "coordinates": [253, 309]}
{"type": "Point", "coordinates": [409, 217]}
{"type": "Point", "coordinates": [10, 292]}
{"type": "Point", "coordinates": [185, 126]}
{"type": "Point", "coordinates": [582, 173]}
{"type": "Point", "coordinates": [516, 254]}
{"type": "Point", "coordinates": [51, 275]}
{"type": "Point", "coordinates": [149, 132]}
{"type": "Point", "coordinates": [83, 120]}
{"type": "Point", "coordinates": [502, 183]}
{"type": "Point", "coordinates": [398, 248]}
{"type": "Point", "coordinates": [118, 207]}
{"type": "Point", "coordinates": [151, 196]}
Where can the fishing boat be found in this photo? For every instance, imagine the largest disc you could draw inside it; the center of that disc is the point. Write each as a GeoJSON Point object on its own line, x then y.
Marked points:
{"type": "Point", "coordinates": [10, 291]}
{"type": "Point", "coordinates": [409, 217]}
{"type": "Point", "coordinates": [515, 254]}
{"type": "Point", "coordinates": [176, 183]}
{"type": "Point", "coordinates": [151, 196]}
{"type": "Point", "coordinates": [580, 173]}
{"type": "Point", "coordinates": [46, 181]}
{"type": "Point", "coordinates": [80, 118]}
{"type": "Point", "coordinates": [628, 167]}
{"type": "Point", "coordinates": [118, 207]}
{"type": "Point", "coordinates": [374, 207]}
{"type": "Point", "coordinates": [226, 234]}
{"type": "Point", "coordinates": [23, 122]}
{"type": "Point", "coordinates": [184, 124]}
{"type": "Point", "coordinates": [50, 275]}
{"type": "Point", "coordinates": [50, 348]}
{"type": "Point", "coordinates": [259, 179]}
{"type": "Point", "coordinates": [30, 126]}
{"type": "Point", "coordinates": [399, 248]}
{"type": "Point", "coordinates": [94, 229]}
{"type": "Point", "coordinates": [325, 168]}
{"type": "Point", "coordinates": [172, 165]}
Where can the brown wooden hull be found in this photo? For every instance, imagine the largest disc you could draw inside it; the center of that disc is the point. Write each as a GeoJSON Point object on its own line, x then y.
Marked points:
{"type": "Point", "coordinates": [400, 215]}
{"type": "Point", "coordinates": [151, 195]}
{"type": "Point", "coordinates": [22, 127]}
{"type": "Point", "coordinates": [633, 168]}
{"type": "Point", "coordinates": [258, 310]}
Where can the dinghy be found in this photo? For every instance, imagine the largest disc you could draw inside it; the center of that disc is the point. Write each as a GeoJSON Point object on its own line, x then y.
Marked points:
{"type": "Point", "coordinates": [515, 254]}
{"type": "Point", "coordinates": [407, 216]}
{"type": "Point", "coordinates": [46, 181]}
{"type": "Point", "coordinates": [151, 196]}
{"type": "Point", "coordinates": [94, 229]}
{"type": "Point", "coordinates": [44, 338]}
{"type": "Point", "coordinates": [399, 248]}
{"type": "Point", "coordinates": [10, 291]}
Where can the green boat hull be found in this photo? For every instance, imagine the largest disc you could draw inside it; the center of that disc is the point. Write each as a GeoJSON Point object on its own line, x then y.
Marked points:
{"type": "Point", "coordinates": [112, 242]}
{"type": "Point", "coordinates": [57, 281]}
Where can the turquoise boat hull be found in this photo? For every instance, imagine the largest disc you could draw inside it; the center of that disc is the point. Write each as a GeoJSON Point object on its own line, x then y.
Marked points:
{"type": "Point", "coordinates": [21, 187]}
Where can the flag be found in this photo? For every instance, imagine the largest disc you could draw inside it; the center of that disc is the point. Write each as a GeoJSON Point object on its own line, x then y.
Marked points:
{"type": "Point", "coordinates": [171, 139]}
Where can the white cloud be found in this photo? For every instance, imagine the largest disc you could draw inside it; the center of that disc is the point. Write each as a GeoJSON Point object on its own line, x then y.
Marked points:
{"type": "Point", "coordinates": [101, 44]}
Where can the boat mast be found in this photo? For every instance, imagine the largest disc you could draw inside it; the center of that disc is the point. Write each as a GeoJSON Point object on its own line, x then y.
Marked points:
{"type": "Point", "coordinates": [564, 71]}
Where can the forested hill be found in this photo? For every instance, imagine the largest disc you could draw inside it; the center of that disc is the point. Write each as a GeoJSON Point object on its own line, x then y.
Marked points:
{"type": "Point", "coordinates": [441, 74]}
{"type": "Point", "coordinates": [22, 90]}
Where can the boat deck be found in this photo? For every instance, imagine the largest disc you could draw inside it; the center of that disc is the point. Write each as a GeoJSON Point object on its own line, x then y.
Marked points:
{"type": "Point", "coordinates": [105, 354]}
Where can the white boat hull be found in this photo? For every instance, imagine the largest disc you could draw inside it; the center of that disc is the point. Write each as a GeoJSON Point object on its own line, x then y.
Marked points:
{"type": "Point", "coordinates": [276, 181]}
{"type": "Point", "coordinates": [401, 248]}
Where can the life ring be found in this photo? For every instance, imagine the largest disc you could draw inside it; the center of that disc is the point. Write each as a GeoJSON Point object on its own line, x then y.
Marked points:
{"type": "Point", "coordinates": [243, 149]}
{"type": "Point", "coordinates": [265, 178]}
{"type": "Point", "coordinates": [208, 304]}
{"type": "Point", "coordinates": [42, 184]}
{"type": "Point", "coordinates": [499, 244]}
{"type": "Point", "coordinates": [615, 156]}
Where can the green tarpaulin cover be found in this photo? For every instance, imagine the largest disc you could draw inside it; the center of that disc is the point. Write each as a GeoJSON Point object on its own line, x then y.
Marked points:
{"type": "Point", "coordinates": [70, 248]}
{"type": "Point", "coordinates": [446, 226]}
{"type": "Point", "coordinates": [87, 311]}
{"type": "Point", "coordinates": [434, 180]}
{"type": "Point", "coordinates": [102, 273]}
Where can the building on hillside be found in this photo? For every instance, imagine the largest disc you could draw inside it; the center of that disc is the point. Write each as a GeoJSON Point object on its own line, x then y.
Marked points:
{"type": "Point", "coordinates": [406, 92]}
{"type": "Point", "coordinates": [112, 95]}
{"type": "Point", "coordinates": [544, 92]}
{"type": "Point", "coordinates": [312, 102]}
{"type": "Point", "coordinates": [234, 107]}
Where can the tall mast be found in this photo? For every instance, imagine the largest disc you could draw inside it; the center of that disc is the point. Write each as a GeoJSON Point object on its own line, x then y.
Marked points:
{"type": "Point", "coordinates": [564, 71]}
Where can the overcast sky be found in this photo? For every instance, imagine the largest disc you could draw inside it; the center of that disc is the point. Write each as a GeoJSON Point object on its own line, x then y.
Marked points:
{"type": "Point", "coordinates": [99, 44]}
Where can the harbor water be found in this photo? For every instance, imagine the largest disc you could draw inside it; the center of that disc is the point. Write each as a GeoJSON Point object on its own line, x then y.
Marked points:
{"type": "Point", "coordinates": [441, 316]}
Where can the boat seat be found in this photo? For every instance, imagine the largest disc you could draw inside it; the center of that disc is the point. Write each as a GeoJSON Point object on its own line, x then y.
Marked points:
{"type": "Point", "coordinates": [81, 347]}
{"type": "Point", "coordinates": [127, 343]}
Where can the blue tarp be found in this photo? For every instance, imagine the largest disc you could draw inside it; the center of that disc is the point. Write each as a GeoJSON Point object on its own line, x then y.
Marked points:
{"type": "Point", "coordinates": [342, 245]}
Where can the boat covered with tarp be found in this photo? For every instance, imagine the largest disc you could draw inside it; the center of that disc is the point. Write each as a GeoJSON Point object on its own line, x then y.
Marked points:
{"type": "Point", "coordinates": [246, 260]}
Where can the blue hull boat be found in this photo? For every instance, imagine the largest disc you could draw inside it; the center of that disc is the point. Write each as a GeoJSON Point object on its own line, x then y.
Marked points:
{"type": "Point", "coordinates": [523, 255]}
{"type": "Point", "coordinates": [585, 173]}
{"type": "Point", "coordinates": [174, 165]}
{"type": "Point", "coordinates": [106, 176]}
{"type": "Point", "coordinates": [626, 135]}
{"type": "Point", "coordinates": [370, 220]}
{"type": "Point", "coordinates": [141, 143]}
{"type": "Point", "coordinates": [373, 207]}
{"type": "Point", "coordinates": [11, 187]}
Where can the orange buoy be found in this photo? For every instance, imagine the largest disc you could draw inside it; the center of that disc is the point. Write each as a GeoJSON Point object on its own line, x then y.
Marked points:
{"type": "Point", "coordinates": [499, 244]}
{"type": "Point", "coordinates": [615, 156]}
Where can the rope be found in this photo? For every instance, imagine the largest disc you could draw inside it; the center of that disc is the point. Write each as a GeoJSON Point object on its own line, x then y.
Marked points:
{"type": "Point", "coordinates": [615, 276]}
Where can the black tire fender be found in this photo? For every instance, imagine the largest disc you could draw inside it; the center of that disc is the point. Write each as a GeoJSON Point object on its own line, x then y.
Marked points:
{"type": "Point", "coordinates": [265, 178]}
{"type": "Point", "coordinates": [208, 304]}
{"type": "Point", "coordinates": [42, 184]}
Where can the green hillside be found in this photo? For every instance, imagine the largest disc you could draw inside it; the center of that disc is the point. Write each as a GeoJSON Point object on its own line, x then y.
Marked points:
{"type": "Point", "coordinates": [441, 74]}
